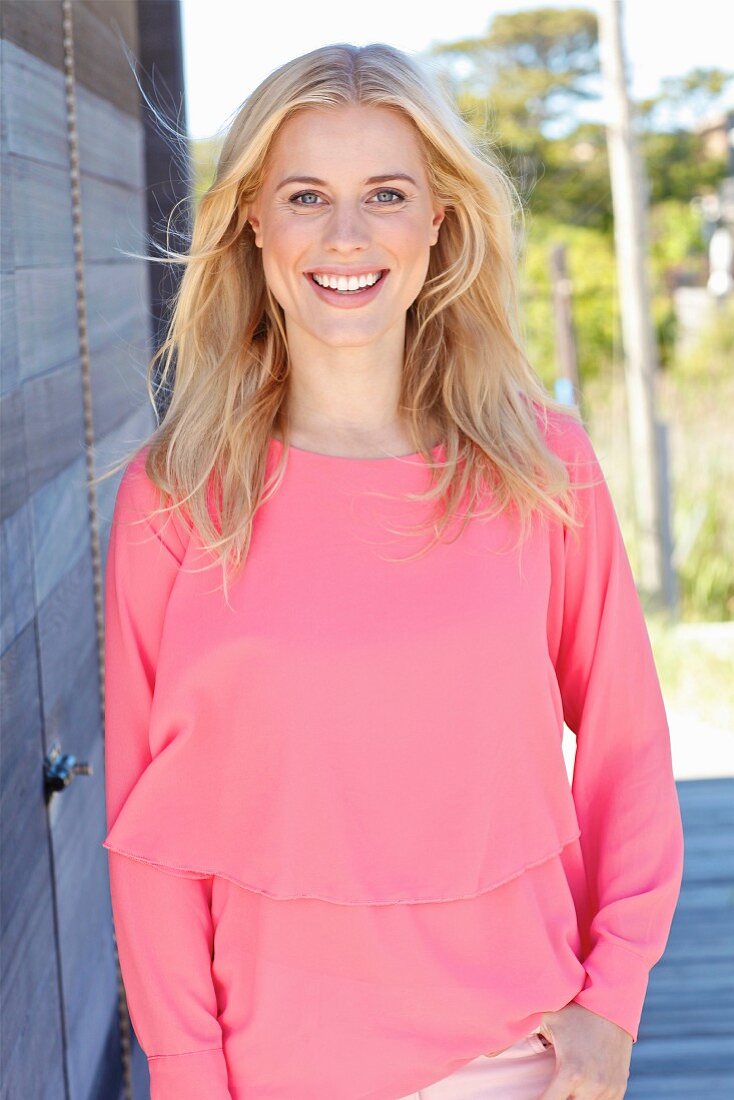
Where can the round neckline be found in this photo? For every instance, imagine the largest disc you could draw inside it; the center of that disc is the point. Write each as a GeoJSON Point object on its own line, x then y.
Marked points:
{"type": "Point", "coordinates": [292, 448]}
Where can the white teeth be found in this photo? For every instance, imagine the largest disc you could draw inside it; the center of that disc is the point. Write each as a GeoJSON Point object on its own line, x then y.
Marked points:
{"type": "Point", "coordinates": [347, 284]}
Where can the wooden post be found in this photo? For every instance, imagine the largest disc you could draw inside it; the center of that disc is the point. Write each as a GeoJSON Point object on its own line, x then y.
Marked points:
{"type": "Point", "coordinates": [630, 237]}
{"type": "Point", "coordinates": [567, 380]}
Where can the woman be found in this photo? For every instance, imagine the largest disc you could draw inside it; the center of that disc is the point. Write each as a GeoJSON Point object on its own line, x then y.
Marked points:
{"type": "Point", "coordinates": [345, 859]}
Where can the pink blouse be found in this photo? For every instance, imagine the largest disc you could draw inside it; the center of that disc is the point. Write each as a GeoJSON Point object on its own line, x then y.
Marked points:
{"type": "Point", "coordinates": [345, 857]}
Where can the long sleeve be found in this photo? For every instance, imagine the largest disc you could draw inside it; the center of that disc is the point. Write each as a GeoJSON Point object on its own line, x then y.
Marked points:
{"type": "Point", "coordinates": [162, 920]}
{"type": "Point", "coordinates": [623, 785]}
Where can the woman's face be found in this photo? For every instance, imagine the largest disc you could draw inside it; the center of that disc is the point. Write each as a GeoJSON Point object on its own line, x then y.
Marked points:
{"type": "Point", "coordinates": [344, 220]}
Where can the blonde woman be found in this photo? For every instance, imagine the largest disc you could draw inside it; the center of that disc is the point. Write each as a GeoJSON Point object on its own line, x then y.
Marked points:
{"type": "Point", "coordinates": [346, 862]}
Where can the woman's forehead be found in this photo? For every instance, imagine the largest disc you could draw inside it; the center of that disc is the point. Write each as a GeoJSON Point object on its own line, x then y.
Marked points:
{"type": "Point", "coordinates": [367, 142]}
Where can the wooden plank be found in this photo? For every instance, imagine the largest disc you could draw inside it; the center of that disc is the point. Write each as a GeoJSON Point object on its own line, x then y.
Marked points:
{"type": "Point", "coordinates": [113, 220]}
{"type": "Point", "coordinates": [10, 373]}
{"type": "Point", "coordinates": [35, 108]}
{"type": "Point", "coordinates": [118, 381]}
{"type": "Point", "coordinates": [7, 237]}
{"type": "Point", "coordinates": [41, 213]}
{"type": "Point", "coordinates": [60, 527]}
{"type": "Point", "coordinates": [707, 867]}
{"type": "Point", "coordinates": [118, 307]}
{"type": "Point", "coordinates": [46, 318]}
{"type": "Point", "coordinates": [36, 27]}
{"type": "Point", "coordinates": [686, 1041]}
{"type": "Point", "coordinates": [13, 487]}
{"type": "Point", "coordinates": [683, 1052]}
{"type": "Point", "coordinates": [101, 32]}
{"type": "Point", "coordinates": [30, 1038]}
{"type": "Point", "coordinates": [57, 947]}
{"type": "Point", "coordinates": [111, 142]}
{"type": "Point", "coordinates": [54, 423]}
{"type": "Point", "coordinates": [700, 1084]}
{"type": "Point", "coordinates": [705, 794]}
{"type": "Point", "coordinates": [17, 606]}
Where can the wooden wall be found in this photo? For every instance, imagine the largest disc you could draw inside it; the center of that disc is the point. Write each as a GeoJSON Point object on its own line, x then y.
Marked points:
{"type": "Point", "coordinates": [58, 983]}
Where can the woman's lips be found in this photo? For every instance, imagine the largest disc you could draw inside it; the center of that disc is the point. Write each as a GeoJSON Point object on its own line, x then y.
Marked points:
{"type": "Point", "coordinates": [349, 299]}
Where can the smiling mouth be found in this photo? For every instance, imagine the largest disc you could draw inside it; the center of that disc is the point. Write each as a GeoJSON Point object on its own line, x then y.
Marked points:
{"type": "Point", "coordinates": [346, 293]}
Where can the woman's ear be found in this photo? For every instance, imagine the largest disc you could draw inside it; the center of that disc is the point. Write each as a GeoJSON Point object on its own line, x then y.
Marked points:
{"type": "Point", "coordinates": [439, 215]}
{"type": "Point", "coordinates": [254, 222]}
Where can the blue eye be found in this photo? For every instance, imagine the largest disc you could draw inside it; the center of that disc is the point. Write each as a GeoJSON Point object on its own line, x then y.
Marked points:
{"type": "Point", "coordinates": [383, 191]}
{"type": "Point", "coordinates": [300, 196]}
{"type": "Point", "coordinates": [389, 191]}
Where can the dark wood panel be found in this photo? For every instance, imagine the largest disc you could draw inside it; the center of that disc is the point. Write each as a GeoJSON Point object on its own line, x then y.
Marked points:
{"type": "Point", "coordinates": [60, 513]}
{"type": "Point", "coordinates": [34, 107]}
{"type": "Point", "coordinates": [16, 577]}
{"type": "Point", "coordinates": [45, 318]}
{"type": "Point", "coordinates": [7, 236]}
{"type": "Point", "coordinates": [30, 1040]}
{"type": "Point", "coordinates": [101, 31]}
{"type": "Point", "coordinates": [113, 220]}
{"type": "Point", "coordinates": [117, 305]}
{"type": "Point", "coordinates": [13, 487]}
{"type": "Point", "coordinates": [107, 1084]}
{"type": "Point", "coordinates": [169, 178]}
{"type": "Point", "coordinates": [36, 27]}
{"type": "Point", "coordinates": [118, 378]}
{"type": "Point", "coordinates": [58, 981]}
{"type": "Point", "coordinates": [121, 12]}
{"type": "Point", "coordinates": [54, 423]}
{"type": "Point", "coordinates": [10, 367]}
{"type": "Point", "coordinates": [111, 142]}
{"type": "Point", "coordinates": [41, 213]}
{"type": "Point", "coordinates": [67, 643]}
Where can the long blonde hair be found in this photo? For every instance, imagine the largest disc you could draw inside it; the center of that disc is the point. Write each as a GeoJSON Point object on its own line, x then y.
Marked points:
{"type": "Point", "coordinates": [464, 366]}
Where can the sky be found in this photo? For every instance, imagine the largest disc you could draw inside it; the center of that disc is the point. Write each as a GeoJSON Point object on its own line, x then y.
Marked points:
{"type": "Point", "coordinates": [230, 46]}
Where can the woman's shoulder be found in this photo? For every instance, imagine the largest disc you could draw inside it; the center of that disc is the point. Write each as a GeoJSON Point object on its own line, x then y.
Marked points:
{"type": "Point", "coordinates": [563, 430]}
{"type": "Point", "coordinates": [139, 500]}
{"type": "Point", "coordinates": [566, 435]}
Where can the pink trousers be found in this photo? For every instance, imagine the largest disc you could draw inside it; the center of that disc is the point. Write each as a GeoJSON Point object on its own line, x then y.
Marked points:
{"type": "Point", "coordinates": [521, 1072]}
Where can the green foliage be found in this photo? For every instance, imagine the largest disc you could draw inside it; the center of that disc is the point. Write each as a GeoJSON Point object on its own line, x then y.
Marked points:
{"type": "Point", "coordinates": [676, 167]}
{"type": "Point", "coordinates": [675, 234]}
{"type": "Point", "coordinates": [591, 269]}
{"type": "Point", "coordinates": [523, 77]}
{"type": "Point", "coordinates": [519, 82]}
{"type": "Point", "coordinates": [532, 63]}
{"type": "Point", "coordinates": [698, 406]}
{"type": "Point", "coordinates": [706, 577]}
{"type": "Point", "coordinates": [575, 186]}
{"type": "Point", "coordinates": [712, 356]}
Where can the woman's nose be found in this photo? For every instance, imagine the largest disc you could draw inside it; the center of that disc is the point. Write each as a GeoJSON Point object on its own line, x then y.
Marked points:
{"type": "Point", "coordinates": [346, 228]}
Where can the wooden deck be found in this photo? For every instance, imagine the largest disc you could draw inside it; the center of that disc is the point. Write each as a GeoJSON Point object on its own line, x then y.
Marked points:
{"type": "Point", "coordinates": [685, 1046]}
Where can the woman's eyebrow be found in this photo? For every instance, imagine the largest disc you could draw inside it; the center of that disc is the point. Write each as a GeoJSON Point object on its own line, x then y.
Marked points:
{"type": "Point", "coordinates": [323, 183]}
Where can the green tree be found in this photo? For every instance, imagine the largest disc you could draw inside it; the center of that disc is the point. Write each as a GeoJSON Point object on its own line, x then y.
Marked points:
{"type": "Point", "coordinates": [517, 85]}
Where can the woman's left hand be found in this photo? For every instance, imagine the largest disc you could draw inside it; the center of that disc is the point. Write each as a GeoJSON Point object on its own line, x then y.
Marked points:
{"type": "Point", "coordinates": [593, 1055]}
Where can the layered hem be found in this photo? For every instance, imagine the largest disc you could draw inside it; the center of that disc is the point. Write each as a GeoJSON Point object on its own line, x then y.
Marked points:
{"type": "Point", "coordinates": [375, 1002]}
{"type": "Point", "coordinates": [189, 872]}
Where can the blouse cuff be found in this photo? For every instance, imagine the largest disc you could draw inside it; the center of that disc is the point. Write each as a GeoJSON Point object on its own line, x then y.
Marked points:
{"type": "Point", "coordinates": [189, 1076]}
{"type": "Point", "coordinates": [615, 986]}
